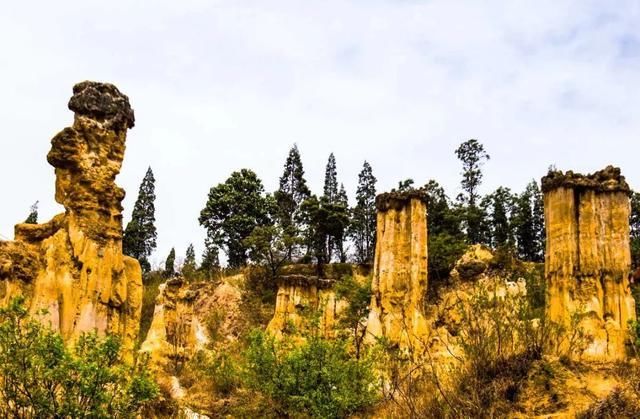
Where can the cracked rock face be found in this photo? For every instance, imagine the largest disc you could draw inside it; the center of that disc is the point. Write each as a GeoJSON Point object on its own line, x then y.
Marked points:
{"type": "Point", "coordinates": [73, 265]}
{"type": "Point", "coordinates": [400, 268]}
{"type": "Point", "coordinates": [588, 259]}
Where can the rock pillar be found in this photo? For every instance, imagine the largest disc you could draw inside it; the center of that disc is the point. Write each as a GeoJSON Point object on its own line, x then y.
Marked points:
{"type": "Point", "coordinates": [400, 268]}
{"type": "Point", "coordinates": [587, 259]}
{"type": "Point", "coordinates": [73, 266]}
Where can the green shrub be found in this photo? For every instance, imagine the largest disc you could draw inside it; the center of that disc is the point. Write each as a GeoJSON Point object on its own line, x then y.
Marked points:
{"type": "Point", "coordinates": [41, 377]}
{"type": "Point", "coordinates": [316, 378]}
{"type": "Point", "coordinates": [150, 283]}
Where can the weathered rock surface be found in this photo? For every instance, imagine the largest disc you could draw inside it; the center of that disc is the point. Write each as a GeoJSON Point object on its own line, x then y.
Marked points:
{"type": "Point", "coordinates": [400, 268]}
{"type": "Point", "coordinates": [73, 265]}
{"type": "Point", "coordinates": [299, 296]}
{"type": "Point", "coordinates": [588, 258]}
{"type": "Point", "coordinates": [473, 263]}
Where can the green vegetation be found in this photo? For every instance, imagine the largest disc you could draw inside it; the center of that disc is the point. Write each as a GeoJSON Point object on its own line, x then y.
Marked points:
{"type": "Point", "coordinates": [317, 378]}
{"type": "Point", "coordinates": [292, 192]}
{"type": "Point", "coordinates": [472, 155]}
{"type": "Point", "coordinates": [363, 218]}
{"type": "Point", "coordinates": [33, 214]}
{"type": "Point", "coordinates": [139, 238]}
{"type": "Point", "coordinates": [189, 266]}
{"type": "Point", "coordinates": [41, 377]}
{"type": "Point", "coordinates": [234, 208]}
{"type": "Point", "coordinates": [170, 264]}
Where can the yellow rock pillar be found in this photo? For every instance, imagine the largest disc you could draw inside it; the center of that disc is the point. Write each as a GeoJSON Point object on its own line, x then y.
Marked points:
{"type": "Point", "coordinates": [400, 269]}
{"type": "Point", "coordinates": [73, 266]}
{"type": "Point", "coordinates": [588, 259]}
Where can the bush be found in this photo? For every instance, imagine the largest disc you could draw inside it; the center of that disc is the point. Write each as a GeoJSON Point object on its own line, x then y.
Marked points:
{"type": "Point", "coordinates": [617, 404]}
{"type": "Point", "coordinates": [150, 290]}
{"type": "Point", "coordinates": [316, 378]}
{"type": "Point", "coordinates": [41, 377]}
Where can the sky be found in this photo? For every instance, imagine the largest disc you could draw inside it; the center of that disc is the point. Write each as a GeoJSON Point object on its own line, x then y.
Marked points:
{"type": "Point", "coordinates": [222, 85]}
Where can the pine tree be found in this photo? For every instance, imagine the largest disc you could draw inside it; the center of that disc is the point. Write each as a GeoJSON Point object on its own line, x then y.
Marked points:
{"type": "Point", "coordinates": [363, 221]}
{"type": "Point", "coordinates": [335, 203]}
{"type": "Point", "coordinates": [472, 155]}
{"type": "Point", "coordinates": [293, 188]}
{"type": "Point", "coordinates": [169, 264]}
{"type": "Point", "coordinates": [189, 266]}
{"type": "Point", "coordinates": [33, 214]}
{"type": "Point", "coordinates": [501, 212]}
{"type": "Point", "coordinates": [342, 209]}
{"type": "Point", "coordinates": [210, 259]}
{"type": "Point", "coordinates": [529, 224]}
{"type": "Point", "coordinates": [446, 242]}
{"type": "Point", "coordinates": [331, 180]}
{"type": "Point", "coordinates": [139, 238]}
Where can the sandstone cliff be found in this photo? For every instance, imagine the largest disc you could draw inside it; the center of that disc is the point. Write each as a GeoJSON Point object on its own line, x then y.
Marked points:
{"type": "Point", "coordinates": [73, 266]}
{"type": "Point", "coordinates": [587, 258]}
{"type": "Point", "coordinates": [298, 297]}
{"type": "Point", "coordinates": [400, 268]}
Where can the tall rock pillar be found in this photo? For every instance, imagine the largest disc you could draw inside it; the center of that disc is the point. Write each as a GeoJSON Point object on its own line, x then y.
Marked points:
{"type": "Point", "coordinates": [400, 268]}
{"type": "Point", "coordinates": [587, 259]}
{"type": "Point", "coordinates": [73, 266]}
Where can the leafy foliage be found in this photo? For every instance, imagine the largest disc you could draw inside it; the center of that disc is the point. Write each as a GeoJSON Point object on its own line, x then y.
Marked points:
{"type": "Point", "coordinates": [271, 245]}
{"type": "Point", "coordinates": [325, 223]}
{"type": "Point", "coordinates": [41, 377]}
{"type": "Point", "coordinates": [354, 316]}
{"type": "Point", "coordinates": [317, 378]}
{"type": "Point", "coordinates": [233, 210]}
{"type": "Point", "coordinates": [446, 242]}
{"type": "Point", "coordinates": [139, 238]}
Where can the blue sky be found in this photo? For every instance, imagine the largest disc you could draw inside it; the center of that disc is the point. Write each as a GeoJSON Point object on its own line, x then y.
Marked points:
{"type": "Point", "coordinates": [222, 85]}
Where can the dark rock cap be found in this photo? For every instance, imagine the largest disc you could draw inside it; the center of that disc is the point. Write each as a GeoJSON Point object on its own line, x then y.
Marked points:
{"type": "Point", "coordinates": [102, 102]}
{"type": "Point", "coordinates": [605, 180]}
{"type": "Point", "coordinates": [398, 200]}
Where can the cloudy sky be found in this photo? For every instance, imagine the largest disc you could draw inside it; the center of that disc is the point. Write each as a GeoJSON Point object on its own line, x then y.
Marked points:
{"type": "Point", "coordinates": [222, 85]}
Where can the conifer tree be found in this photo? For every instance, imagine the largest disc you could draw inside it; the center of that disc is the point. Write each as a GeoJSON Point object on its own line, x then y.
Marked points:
{"type": "Point", "coordinates": [529, 224]}
{"type": "Point", "coordinates": [446, 242]}
{"type": "Point", "coordinates": [335, 204]}
{"type": "Point", "coordinates": [189, 266]}
{"type": "Point", "coordinates": [341, 207]}
{"type": "Point", "coordinates": [33, 214]}
{"type": "Point", "coordinates": [363, 221]}
{"type": "Point", "coordinates": [139, 238]}
{"type": "Point", "coordinates": [210, 259]}
{"type": "Point", "coordinates": [472, 155]}
{"type": "Point", "coordinates": [501, 213]}
{"type": "Point", "coordinates": [331, 180]}
{"type": "Point", "coordinates": [293, 188]}
{"type": "Point", "coordinates": [170, 264]}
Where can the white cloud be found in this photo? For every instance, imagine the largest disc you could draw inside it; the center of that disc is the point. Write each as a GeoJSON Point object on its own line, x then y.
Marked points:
{"type": "Point", "coordinates": [221, 85]}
